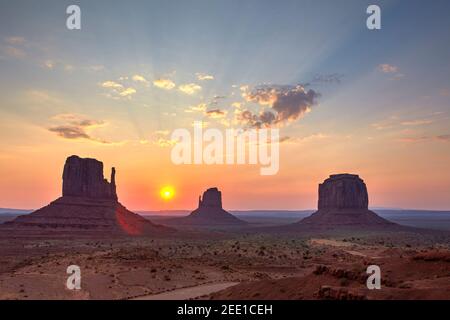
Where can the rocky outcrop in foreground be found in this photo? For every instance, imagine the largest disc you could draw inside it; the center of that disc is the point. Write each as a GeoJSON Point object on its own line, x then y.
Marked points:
{"type": "Point", "coordinates": [89, 205]}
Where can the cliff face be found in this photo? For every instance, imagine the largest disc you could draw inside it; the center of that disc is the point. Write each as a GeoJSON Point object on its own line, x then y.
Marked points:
{"type": "Point", "coordinates": [84, 178]}
{"type": "Point", "coordinates": [343, 191]}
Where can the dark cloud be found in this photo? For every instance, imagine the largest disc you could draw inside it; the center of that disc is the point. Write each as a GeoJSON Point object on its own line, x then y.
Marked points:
{"type": "Point", "coordinates": [287, 103]}
{"type": "Point", "coordinates": [75, 128]}
{"type": "Point", "coordinates": [328, 78]}
{"type": "Point", "coordinates": [216, 113]}
{"type": "Point", "coordinates": [442, 138]}
{"type": "Point", "coordinates": [70, 132]}
{"type": "Point", "coordinates": [216, 99]}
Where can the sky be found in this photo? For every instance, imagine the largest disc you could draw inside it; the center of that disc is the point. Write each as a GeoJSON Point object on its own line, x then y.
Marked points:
{"type": "Point", "coordinates": [345, 98]}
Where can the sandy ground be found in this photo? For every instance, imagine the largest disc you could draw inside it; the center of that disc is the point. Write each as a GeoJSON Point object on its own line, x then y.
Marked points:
{"type": "Point", "coordinates": [275, 267]}
{"type": "Point", "coordinates": [189, 293]}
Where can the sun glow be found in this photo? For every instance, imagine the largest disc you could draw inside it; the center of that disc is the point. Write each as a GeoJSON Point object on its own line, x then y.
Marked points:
{"type": "Point", "coordinates": [167, 193]}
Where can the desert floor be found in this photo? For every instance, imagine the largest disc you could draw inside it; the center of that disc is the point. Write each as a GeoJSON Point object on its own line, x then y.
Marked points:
{"type": "Point", "coordinates": [229, 266]}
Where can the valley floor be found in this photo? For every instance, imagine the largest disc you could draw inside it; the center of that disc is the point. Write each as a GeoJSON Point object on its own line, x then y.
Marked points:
{"type": "Point", "coordinates": [244, 266]}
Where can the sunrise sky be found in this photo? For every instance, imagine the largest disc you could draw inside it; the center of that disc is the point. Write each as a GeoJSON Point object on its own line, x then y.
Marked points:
{"type": "Point", "coordinates": [375, 103]}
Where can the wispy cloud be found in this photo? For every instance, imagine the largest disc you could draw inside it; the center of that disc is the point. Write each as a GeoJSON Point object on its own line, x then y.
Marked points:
{"type": "Point", "coordinates": [197, 108]}
{"type": "Point", "coordinates": [162, 83]}
{"type": "Point", "coordinates": [127, 92]}
{"type": "Point", "coordinates": [392, 70]}
{"type": "Point", "coordinates": [441, 138]}
{"type": "Point", "coordinates": [328, 78]}
{"type": "Point", "coordinates": [416, 122]}
{"type": "Point", "coordinates": [394, 122]}
{"type": "Point", "coordinates": [15, 52]}
{"type": "Point", "coordinates": [141, 79]}
{"type": "Point", "coordinates": [204, 76]}
{"type": "Point", "coordinates": [118, 89]}
{"type": "Point", "coordinates": [15, 40]}
{"type": "Point", "coordinates": [111, 84]}
{"type": "Point", "coordinates": [190, 88]}
{"type": "Point", "coordinates": [14, 47]}
{"type": "Point", "coordinates": [96, 68]}
{"type": "Point", "coordinates": [387, 68]}
{"type": "Point", "coordinates": [75, 127]}
{"type": "Point", "coordinates": [297, 140]}
{"type": "Point", "coordinates": [160, 138]}
{"type": "Point", "coordinates": [216, 113]}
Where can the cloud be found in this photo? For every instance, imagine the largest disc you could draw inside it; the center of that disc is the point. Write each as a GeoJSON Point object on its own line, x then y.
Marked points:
{"type": "Point", "coordinates": [112, 84]}
{"type": "Point", "coordinates": [441, 138]}
{"type": "Point", "coordinates": [416, 122]}
{"type": "Point", "coordinates": [166, 84]}
{"type": "Point", "coordinates": [69, 68]}
{"type": "Point", "coordinates": [70, 132]}
{"type": "Point", "coordinates": [312, 137]}
{"type": "Point", "coordinates": [393, 122]}
{"type": "Point", "coordinates": [15, 52]}
{"type": "Point", "coordinates": [387, 68]}
{"type": "Point", "coordinates": [15, 47]}
{"type": "Point", "coordinates": [216, 113]}
{"type": "Point", "coordinates": [216, 99]}
{"type": "Point", "coordinates": [52, 64]}
{"type": "Point", "coordinates": [96, 68]}
{"type": "Point", "coordinates": [198, 108]}
{"type": "Point", "coordinates": [237, 106]}
{"type": "Point", "coordinates": [164, 143]}
{"type": "Point", "coordinates": [76, 127]}
{"type": "Point", "coordinates": [328, 78]}
{"type": "Point", "coordinates": [15, 40]}
{"type": "Point", "coordinates": [49, 64]}
{"type": "Point", "coordinates": [160, 139]}
{"type": "Point", "coordinates": [118, 90]}
{"type": "Point", "coordinates": [190, 88]}
{"type": "Point", "coordinates": [141, 79]}
{"type": "Point", "coordinates": [127, 92]}
{"type": "Point", "coordinates": [204, 76]}
{"type": "Point", "coordinates": [287, 103]}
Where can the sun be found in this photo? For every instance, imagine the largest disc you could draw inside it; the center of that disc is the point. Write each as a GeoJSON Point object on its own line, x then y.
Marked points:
{"type": "Point", "coordinates": [167, 193]}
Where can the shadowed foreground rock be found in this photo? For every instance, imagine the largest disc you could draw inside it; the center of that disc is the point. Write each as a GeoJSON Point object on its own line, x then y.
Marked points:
{"type": "Point", "coordinates": [343, 201]}
{"type": "Point", "coordinates": [89, 205]}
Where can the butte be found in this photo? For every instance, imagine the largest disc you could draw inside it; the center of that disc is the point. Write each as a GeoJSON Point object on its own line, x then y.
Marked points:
{"type": "Point", "coordinates": [89, 206]}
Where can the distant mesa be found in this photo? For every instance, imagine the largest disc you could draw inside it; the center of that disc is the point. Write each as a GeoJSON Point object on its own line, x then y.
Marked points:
{"type": "Point", "coordinates": [88, 203]}
{"type": "Point", "coordinates": [343, 201]}
{"type": "Point", "coordinates": [209, 212]}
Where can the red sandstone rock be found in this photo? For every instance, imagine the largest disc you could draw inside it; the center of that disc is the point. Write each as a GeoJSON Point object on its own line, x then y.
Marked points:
{"type": "Point", "coordinates": [84, 178]}
{"type": "Point", "coordinates": [343, 191]}
{"type": "Point", "coordinates": [343, 202]}
{"type": "Point", "coordinates": [209, 212]}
